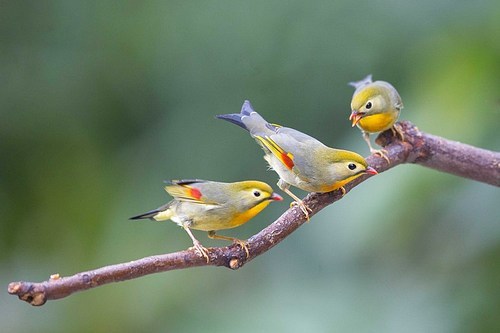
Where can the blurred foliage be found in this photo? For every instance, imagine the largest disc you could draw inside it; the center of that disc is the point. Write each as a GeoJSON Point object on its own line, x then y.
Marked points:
{"type": "Point", "coordinates": [100, 101]}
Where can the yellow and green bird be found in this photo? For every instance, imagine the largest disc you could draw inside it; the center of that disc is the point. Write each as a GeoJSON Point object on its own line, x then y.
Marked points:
{"type": "Point", "coordinates": [211, 206]}
{"type": "Point", "coordinates": [299, 159]}
{"type": "Point", "coordinates": [375, 107]}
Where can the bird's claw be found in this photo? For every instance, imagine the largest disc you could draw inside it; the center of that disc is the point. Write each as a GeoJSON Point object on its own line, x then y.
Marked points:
{"type": "Point", "coordinates": [302, 207]}
{"type": "Point", "coordinates": [397, 130]}
{"type": "Point", "coordinates": [381, 152]}
{"type": "Point", "coordinates": [243, 245]}
{"type": "Point", "coordinates": [200, 250]}
{"type": "Point", "coordinates": [342, 189]}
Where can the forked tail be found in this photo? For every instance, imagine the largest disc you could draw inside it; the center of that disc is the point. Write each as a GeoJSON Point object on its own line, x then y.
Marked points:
{"type": "Point", "coordinates": [236, 118]}
{"type": "Point", "coordinates": [250, 120]}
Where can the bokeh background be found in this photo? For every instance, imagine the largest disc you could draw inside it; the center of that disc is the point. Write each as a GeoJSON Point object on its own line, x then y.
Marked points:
{"type": "Point", "coordinates": [101, 101]}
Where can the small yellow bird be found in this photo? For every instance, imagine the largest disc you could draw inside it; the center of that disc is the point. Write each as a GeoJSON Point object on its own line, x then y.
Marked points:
{"type": "Point", "coordinates": [375, 107]}
{"type": "Point", "coordinates": [210, 206]}
{"type": "Point", "coordinates": [299, 159]}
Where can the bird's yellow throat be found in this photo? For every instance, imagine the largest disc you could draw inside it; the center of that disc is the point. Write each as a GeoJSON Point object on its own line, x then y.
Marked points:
{"type": "Point", "coordinates": [247, 215]}
{"type": "Point", "coordinates": [378, 122]}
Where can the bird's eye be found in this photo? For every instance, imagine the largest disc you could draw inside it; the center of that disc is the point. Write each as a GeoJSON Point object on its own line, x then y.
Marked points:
{"type": "Point", "coordinates": [256, 194]}
{"type": "Point", "coordinates": [368, 105]}
{"type": "Point", "coordinates": [351, 166]}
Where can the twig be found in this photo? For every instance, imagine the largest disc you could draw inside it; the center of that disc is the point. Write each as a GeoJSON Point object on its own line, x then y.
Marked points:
{"type": "Point", "coordinates": [417, 147]}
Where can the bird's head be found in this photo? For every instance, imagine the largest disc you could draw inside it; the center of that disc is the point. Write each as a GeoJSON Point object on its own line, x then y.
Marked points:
{"type": "Point", "coordinates": [369, 100]}
{"type": "Point", "coordinates": [348, 165]}
{"type": "Point", "coordinates": [252, 193]}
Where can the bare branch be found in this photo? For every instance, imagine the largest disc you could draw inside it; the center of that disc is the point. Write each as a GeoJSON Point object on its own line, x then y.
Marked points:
{"type": "Point", "coordinates": [448, 156]}
{"type": "Point", "coordinates": [417, 147]}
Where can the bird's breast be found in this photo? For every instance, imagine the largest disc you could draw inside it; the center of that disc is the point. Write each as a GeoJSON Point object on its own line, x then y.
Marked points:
{"type": "Point", "coordinates": [378, 122]}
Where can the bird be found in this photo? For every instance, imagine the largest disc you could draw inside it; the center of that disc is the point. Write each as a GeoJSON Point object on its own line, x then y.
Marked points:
{"type": "Point", "coordinates": [299, 159]}
{"type": "Point", "coordinates": [375, 107]}
{"type": "Point", "coordinates": [211, 206]}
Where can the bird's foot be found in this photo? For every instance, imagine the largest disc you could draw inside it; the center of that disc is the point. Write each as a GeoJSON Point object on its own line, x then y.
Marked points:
{"type": "Point", "coordinates": [397, 130]}
{"type": "Point", "coordinates": [381, 152]}
{"type": "Point", "coordinates": [302, 207]}
{"type": "Point", "coordinates": [342, 189]}
{"type": "Point", "coordinates": [243, 245]}
{"type": "Point", "coordinates": [200, 250]}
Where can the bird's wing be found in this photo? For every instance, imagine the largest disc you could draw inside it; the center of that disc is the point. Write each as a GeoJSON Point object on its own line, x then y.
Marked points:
{"type": "Point", "coordinates": [192, 190]}
{"type": "Point", "coordinates": [292, 148]}
{"type": "Point", "coordinates": [282, 155]}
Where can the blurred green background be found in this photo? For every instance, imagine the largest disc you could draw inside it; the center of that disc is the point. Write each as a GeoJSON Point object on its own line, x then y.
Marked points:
{"type": "Point", "coordinates": [100, 101]}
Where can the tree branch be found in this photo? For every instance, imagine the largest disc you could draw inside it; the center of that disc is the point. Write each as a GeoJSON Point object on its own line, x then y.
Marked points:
{"type": "Point", "coordinates": [448, 156]}
{"type": "Point", "coordinates": [417, 147]}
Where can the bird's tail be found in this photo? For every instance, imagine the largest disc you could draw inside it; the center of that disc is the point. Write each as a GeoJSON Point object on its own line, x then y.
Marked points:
{"type": "Point", "coordinates": [149, 215]}
{"type": "Point", "coordinates": [234, 118]}
{"type": "Point", "coordinates": [237, 118]}
{"type": "Point", "coordinates": [160, 214]}
{"type": "Point", "coordinates": [361, 83]}
{"type": "Point", "coordinates": [249, 120]}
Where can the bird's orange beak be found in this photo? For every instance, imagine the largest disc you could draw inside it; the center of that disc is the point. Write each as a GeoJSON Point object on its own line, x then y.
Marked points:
{"type": "Point", "coordinates": [371, 171]}
{"type": "Point", "coordinates": [276, 197]}
{"type": "Point", "coordinates": [355, 117]}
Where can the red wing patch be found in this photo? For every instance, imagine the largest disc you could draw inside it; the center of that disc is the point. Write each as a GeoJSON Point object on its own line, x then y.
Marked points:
{"type": "Point", "coordinates": [287, 160]}
{"type": "Point", "coordinates": [194, 193]}
{"type": "Point", "coordinates": [185, 192]}
{"type": "Point", "coordinates": [285, 157]}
